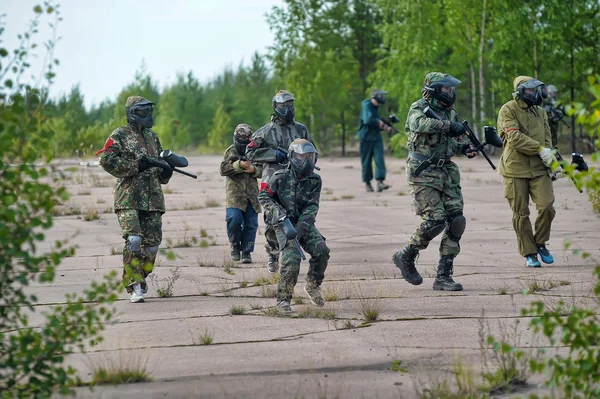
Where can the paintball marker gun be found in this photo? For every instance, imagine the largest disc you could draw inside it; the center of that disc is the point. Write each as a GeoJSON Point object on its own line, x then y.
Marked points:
{"type": "Point", "coordinates": [491, 137]}
{"type": "Point", "coordinates": [556, 114]}
{"type": "Point", "coordinates": [390, 122]}
{"type": "Point", "coordinates": [577, 161]}
{"type": "Point", "coordinates": [170, 161]}
{"type": "Point", "coordinates": [290, 233]}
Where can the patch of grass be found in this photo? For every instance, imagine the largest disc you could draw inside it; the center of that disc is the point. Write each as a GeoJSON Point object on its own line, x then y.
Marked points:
{"type": "Point", "coordinates": [72, 169]}
{"type": "Point", "coordinates": [96, 181]}
{"type": "Point", "coordinates": [206, 338]}
{"type": "Point", "coordinates": [334, 199]}
{"type": "Point", "coordinates": [84, 192]}
{"type": "Point", "coordinates": [298, 300]}
{"type": "Point", "coordinates": [91, 214]}
{"type": "Point", "coordinates": [203, 233]}
{"type": "Point", "coordinates": [165, 291]}
{"type": "Point", "coordinates": [347, 325]}
{"type": "Point", "coordinates": [212, 203]}
{"type": "Point", "coordinates": [268, 291]}
{"type": "Point", "coordinates": [123, 371]}
{"type": "Point", "coordinates": [227, 266]}
{"type": "Point", "coordinates": [115, 251]}
{"type": "Point", "coordinates": [533, 284]}
{"type": "Point", "coordinates": [370, 308]}
{"type": "Point", "coordinates": [192, 206]}
{"type": "Point", "coordinates": [594, 197]}
{"type": "Point", "coordinates": [327, 191]}
{"type": "Point", "coordinates": [186, 241]}
{"type": "Point", "coordinates": [562, 283]}
{"type": "Point", "coordinates": [331, 292]}
{"type": "Point", "coordinates": [167, 190]}
{"type": "Point", "coordinates": [201, 262]}
{"type": "Point", "coordinates": [268, 280]}
{"type": "Point", "coordinates": [243, 284]}
{"type": "Point", "coordinates": [100, 201]}
{"type": "Point", "coordinates": [204, 243]}
{"type": "Point", "coordinates": [255, 306]}
{"type": "Point", "coordinates": [272, 311]}
{"type": "Point", "coordinates": [317, 313]}
{"type": "Point", "coordinates": [67, 210]}
{"type": "Point", "coordinates": [348, 197]}
{"type": "Point", "coordinates": [396, 365]}
{"type": "Point", "coordinates": [503, 289]}
{"type": "Point", "coordinates": [466, 386]}
{"type": "Point", "coordinates": [400, 193]}
{"type": "Point", "coordinates": [237, 310]}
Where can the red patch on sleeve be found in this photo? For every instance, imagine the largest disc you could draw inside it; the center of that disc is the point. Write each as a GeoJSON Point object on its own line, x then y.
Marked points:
{"type": "Point", "coordinates": [265, 186]}
{"type": "Point", "coordinates": [252, 144]}
{"type": "Point", "coordinates": [107, 145]}
{"type": "Point", "coordinates": [510, 129]}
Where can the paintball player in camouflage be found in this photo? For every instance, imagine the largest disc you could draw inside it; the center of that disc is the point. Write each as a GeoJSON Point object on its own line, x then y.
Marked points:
{"type": "Point", "coordinates": [267, 147]}
{"type": "Point", "coordinates": [294, 193]}
{"type": "Point", "coordinates": [436, 189]}
{"type": "Point", "coordinates": [241, 200]}
{"type": "Point", "coordinates": [139, 202]}
{"type": "Point", "coordinates": [371, 142]}
{"type": "Point", "coordinates": [555, 114]}
{"type": "Point", "coordinates": [526, 157]}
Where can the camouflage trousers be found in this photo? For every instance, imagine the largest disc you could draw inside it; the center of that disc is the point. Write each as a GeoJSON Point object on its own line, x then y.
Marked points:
{"type": "Point", "coordinates": [314, 245]}
{"type": "Point", "coordinates": [148, 225]}
{"type": "Point", "coordinates": [437, 198]}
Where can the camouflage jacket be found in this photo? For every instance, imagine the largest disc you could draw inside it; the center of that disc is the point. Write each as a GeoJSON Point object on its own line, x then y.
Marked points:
{"type": "Point", "coordinates": [241, 187]}
{"type": "Point", "coordinates": [368, 125]}
{"type": "Point", "coordinates": [284, 193]}
{"type": "Point", "coordinates": [268, 138]}
{"type": "Point", "coordinates": [523, 130]}
{"type": "Point", "coordinates": [428, 135]}
{"type": "Point", "coordinates": [120, 155]}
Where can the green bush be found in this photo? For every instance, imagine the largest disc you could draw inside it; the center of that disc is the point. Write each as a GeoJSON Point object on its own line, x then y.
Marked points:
{"type": "Point", "coordinates": [32, 357]}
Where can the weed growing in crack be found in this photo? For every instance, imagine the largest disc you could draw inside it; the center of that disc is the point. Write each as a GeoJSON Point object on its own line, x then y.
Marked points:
{"type": "Point", "coordinates": [91, 214]}
{"type": "Point", "coordinates": [271, 311]}
{"type": "Point", "coordinates": [299, 300]}
{"type": "Point", "coordinates": [370, 308]}
{"type": "Point", "coordinates": [396, 365]}
{"type": "Point", "coordinates": [128, 370]}
{"type": "Point", "coordinates": [237, 310]}
{"type": "Point", "coordinates": [268, 291]}
{"type": "Point", "coordinates": [533, 284]}
{"type": "Point", "coordinates": [316, 313]}
{"type": "Point", "coordinates": [206, 338]}
{"type": "Point", "coordinates": [165, 291]}
{"type": "Point", "coordinates": [116, 251]}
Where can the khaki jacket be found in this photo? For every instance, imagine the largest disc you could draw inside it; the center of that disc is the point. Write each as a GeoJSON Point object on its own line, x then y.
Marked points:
{"type": "Point", "coordinates": [523, 131]}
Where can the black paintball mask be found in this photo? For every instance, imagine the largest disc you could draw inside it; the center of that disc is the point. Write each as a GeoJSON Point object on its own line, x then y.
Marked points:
{"type": "Point", "coordinates": [443, 90]}
{"type": "Point", "coordinates": [535, 98]}
{"type": "Point", "coordinates": [283, 105]}
{"type": "Point", "coordinates": [379, 96]}
{"type": "Point", "coordinates": [141, 113]}
{"type": "Point", "coordinates": [303, 157]}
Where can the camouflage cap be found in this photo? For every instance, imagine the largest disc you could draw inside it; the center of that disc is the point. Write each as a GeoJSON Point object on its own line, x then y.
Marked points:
{"type": "Point", "coordinates": [519, 80]}
{"type": "Point", "coordinates": [243, 131]}
{"type": "Point", "coordinates": [434, 77]}
{"type": "Point", "coordinates": [131, 100]}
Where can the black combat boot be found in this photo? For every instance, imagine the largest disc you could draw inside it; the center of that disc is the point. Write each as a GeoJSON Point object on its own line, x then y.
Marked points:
{"type": "Point", "coordinates": [369, 187]}
{"type": "Point", "coordinates": [405, 261]}
{"type": "Point", "coordinates": [443, 280]}
{"type": "Point", "coordinates": [273, 265]}
{"type": "Point", "coordinates": [381, 186]}
{"type": "Point", "coordinates": [235, 252]}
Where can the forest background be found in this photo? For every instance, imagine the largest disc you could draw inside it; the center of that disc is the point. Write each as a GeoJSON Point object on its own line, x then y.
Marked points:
{"type": "Point", "coordinates": [330, 54]}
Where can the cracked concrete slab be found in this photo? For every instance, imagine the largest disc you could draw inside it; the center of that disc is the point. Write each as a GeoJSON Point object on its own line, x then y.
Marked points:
{"type": "Point", "coordinates": [260, 355]}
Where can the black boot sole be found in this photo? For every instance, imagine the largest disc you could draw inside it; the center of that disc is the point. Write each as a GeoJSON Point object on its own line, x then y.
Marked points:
{"type": "Point", "coordinates": [441, 288]}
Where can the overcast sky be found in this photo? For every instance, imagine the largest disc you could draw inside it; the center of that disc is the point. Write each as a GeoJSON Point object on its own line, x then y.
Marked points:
{"type": "Point", "coordinates": [103, 42]}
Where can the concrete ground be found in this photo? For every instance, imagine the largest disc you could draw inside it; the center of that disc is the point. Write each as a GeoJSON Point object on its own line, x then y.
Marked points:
{"type": "Point", "coordinates": [258, 354]}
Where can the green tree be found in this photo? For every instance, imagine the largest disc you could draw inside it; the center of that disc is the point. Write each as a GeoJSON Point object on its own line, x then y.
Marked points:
{"type": "Point", "coordinates": [32, 358]}
{"type": "Point", "coordinates": [222, 130]}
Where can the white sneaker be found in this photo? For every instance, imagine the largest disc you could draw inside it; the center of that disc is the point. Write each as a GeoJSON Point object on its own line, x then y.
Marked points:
{"type": "Point", "coordinates": [137, 295]}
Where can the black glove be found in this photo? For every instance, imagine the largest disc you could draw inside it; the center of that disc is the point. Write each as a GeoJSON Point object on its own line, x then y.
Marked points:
{"type": "Point", "coordinates": [166, 174]}
{"type": "Point", "coordinates": [280, 156]}
{"type": "Point", "coordinates": [456, 129]}
{"type": "Point", "coordinates": [143, 165]}
{"type": "Point", "coordinates": [467, 149]}
{"type": "Point", "coordinates": [302, 228]}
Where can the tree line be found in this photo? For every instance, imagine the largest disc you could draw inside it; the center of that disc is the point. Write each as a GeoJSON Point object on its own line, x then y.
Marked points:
{"type": "Point", "coordinates": [330, 54]}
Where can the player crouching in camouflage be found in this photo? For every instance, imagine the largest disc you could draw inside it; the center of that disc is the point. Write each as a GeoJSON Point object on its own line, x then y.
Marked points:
{"type": "Point", "coordinates": [434, 180]}
{"type": "Point", "coordinates": [241, 200]}
{"type": "Point", "coordinates": [139, 201]}
{"type": "Point", "coordinates": [293, 194]}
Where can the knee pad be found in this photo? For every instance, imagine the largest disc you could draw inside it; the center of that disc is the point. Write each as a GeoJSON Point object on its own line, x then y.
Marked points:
{"type": "Point", "coordinates": [152, 251]}
{"type": "Point", "coordinates": [456, 227]}
{"type": "Point", "coordinates": [434, 228]}
{"type": "Point", "coordinates": [134, 243]}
